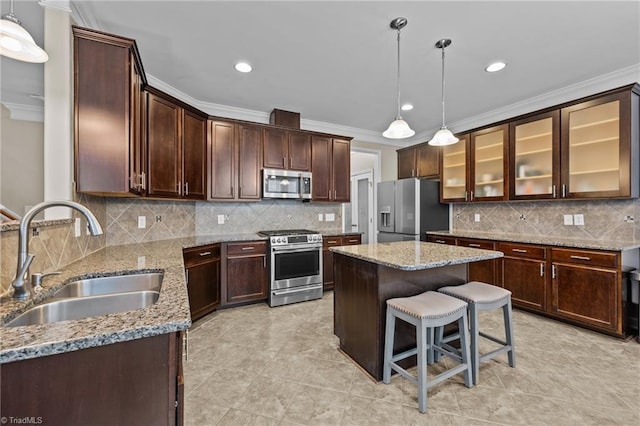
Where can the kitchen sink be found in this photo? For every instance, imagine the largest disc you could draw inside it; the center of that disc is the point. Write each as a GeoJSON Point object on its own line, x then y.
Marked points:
{"type": "Point", "coordinates": [151, 281]}
{"type": "Point", "coordinates": [55, 310]}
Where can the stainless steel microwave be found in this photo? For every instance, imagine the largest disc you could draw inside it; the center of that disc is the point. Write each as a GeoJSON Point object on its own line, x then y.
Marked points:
{"type": "Point", "coordinates": [286, 184]}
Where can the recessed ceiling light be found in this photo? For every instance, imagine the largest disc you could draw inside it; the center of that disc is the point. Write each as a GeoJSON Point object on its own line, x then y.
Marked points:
{"type": "Point", "coordinates": [406, 107]}
{"type": "Point", "coordinates": [496, 66]}
{"type": "Point", "coordinates": [243, 67]}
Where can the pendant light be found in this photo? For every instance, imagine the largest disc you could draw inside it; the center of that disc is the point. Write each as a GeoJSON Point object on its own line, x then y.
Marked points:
{"type": "Point", "coordinates": [398, 129]}
{"type": "Point", "coordinates": [443, 136]}
{"type": "Point", "coordinates": [16, 42]}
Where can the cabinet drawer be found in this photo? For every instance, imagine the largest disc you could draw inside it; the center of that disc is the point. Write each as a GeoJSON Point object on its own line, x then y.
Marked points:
{"type": "Point", "coordinates": [197, 255]}
{"type": "Point", "coordinates": [351, 240]}
{"type": "Point", "coordinates": [441, 240]}
{"type": "Point", "coordinates": [331, 241]}
{"type": "Point", "coordinates": [481, 244]}
{"type": "Point", "coordinates": [521, 250]}
{"type": "Point", "coordinates": [585, 257]}
{"type": "Point", "coordinates": [246, 248]}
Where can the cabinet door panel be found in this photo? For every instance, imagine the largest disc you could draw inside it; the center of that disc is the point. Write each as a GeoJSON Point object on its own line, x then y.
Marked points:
{"type": "Point", "coordinates": [195, 156]}
{"type": "Point", "coordinates": [137, 151]}
{"type": "Point", "coordinates": [455, 171]}
{"type": "Point", "coordinates": [249, 154]}
{"type": "Point", "coordinates": [341, 170]}
{"type": "Point", "coordinates": [485, 270]}
{"type": "Point", "coordinates": [406, 163]}
{"type": "Point", "coordinates": [525, 279]}
{"type": "Point", "coordinates": [587, 295]}
{"type": "Point", "coordinates": [275, 148]}
{"type": "Point", "coordinates": [163, 132]}
{"type": "Point", "coordinates": [246, 279]}
{"type": "Point", "coordinates": [223, 159]}
{"type": "Point", "coordinates": [299, 151]}
{"type": "Point", "coordinates": [489, 163]}
{"type": "Point", "coordinates": [321, 168]}
{"type": "Point", "coordinates": [327, 269]}
{"type": "Point", "coordinates": [428, 161]}
{"type": "Point", "coordinates": [203, 287]}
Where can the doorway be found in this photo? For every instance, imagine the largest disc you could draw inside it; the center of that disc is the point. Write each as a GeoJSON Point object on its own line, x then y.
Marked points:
{"type": "Point", "coordinates": [360, 213]}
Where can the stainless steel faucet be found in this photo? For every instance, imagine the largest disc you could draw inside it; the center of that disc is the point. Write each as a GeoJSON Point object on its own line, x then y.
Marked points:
{"type": "Point", "coordinates": [21, 284]}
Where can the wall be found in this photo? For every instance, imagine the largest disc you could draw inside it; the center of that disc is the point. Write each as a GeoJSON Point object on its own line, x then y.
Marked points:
{"type": "Point", "coordinates": [603, 219]}
{"type": "Point", "coordinates": [22, 162]}
{"type": "Point", "coordinates": [388, 158]}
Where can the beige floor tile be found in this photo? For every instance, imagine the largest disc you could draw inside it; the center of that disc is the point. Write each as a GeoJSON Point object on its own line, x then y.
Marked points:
{"type": "Point", "coordinates": [242, 418]}
{"type": "Point", "coordinates": [268, 397]}
{"type": "Point", "coordinates": [317, 406]}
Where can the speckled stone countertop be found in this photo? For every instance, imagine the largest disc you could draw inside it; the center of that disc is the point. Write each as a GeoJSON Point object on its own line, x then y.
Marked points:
{"type": "Point", "coordinates": [169, 314]}
{"type": "Point", "coordinates": [415, 255]}
{"type": "Point", "coordinates": [339, 233]}
{"type": "Point", "coordinates": [612, 245]}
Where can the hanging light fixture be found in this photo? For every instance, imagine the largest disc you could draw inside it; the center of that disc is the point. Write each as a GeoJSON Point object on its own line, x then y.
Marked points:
{"type": "Point", "coordinates": [16, 42]}
{"type": "Point", "coordinates": [443, 136]}
{"type": "Point", "coordinates": [398, 129]}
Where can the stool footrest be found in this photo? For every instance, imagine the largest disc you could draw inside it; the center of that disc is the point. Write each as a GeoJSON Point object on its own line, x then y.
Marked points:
{"type": "Point", "coordinates": [493, 339]}
{"type": "Point", "coordinates": [403, 355]}
{"type": "Point", "coordinates": [494, 352]}
{"type": "Point", "coordinates": [447, 374]}
{"type": "Point", "coordinates": [449, 351]}
{"type": "Point", "coordinates": [404, 373]}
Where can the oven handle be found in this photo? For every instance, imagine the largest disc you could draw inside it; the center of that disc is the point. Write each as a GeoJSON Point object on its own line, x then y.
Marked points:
{"type": "Point", "coordinates": [296, 290]}
{"type": "Point", "coordinates": [297, 248]}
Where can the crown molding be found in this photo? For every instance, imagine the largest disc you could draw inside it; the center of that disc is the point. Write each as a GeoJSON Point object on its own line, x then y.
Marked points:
{"type": "Point", "coordinates": [58, 5]}
{"type": "Point", "coordinates": [25, 112]}
{"type": "Point", "coordinates": [82, 17]}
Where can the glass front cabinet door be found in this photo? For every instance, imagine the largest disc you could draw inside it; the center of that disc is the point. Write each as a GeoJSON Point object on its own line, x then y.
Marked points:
{"type": "Point", "coordinates": [455, 171]}
{"type": "Point", "coordinates": [535, 157]}
{"type": "Point", "coordinates": [596, 147]}
{"type": "Point", "coordinates": [489, 163]}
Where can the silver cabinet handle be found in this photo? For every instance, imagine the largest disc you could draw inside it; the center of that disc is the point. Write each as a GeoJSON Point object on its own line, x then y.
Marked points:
{"type": "Point", "coordinates": [186, 188]}
{"type": "Point", "coordinates": [353, 241]}
{"type": "Point", "coordinates": [581, 257]}
{"type": "Point", "coordinates": [564, 191]}
{"type": "Point", "coordinates": [205, 253]}
{"type": "Point", "coordinates": [542, 269]}
{"type": "Point", "coordinates": [553, 189]}
{"type": "Point", "coordinates": [466, 195]}
{"type": "Point", "coordinates": [248, 248]}
{"type": "Point", "coordinates": [519, 250]}
{"type": "Point", "coordinates": [440, 241]}
{"type": "Point", "coordinates": [179, 187]}
{"type": "Point", "coordinates": [186, 275]}
{"type": "Point", "coordinates": [185, 345]}
{"type": "Point", "coordinates": [264, 262]}
{"type": "Point", "coordinates": [553, 271]}
{"type": "Point", "coordinates": [474, 245]}
{"type": "Point", "coordinates": [471, 197]}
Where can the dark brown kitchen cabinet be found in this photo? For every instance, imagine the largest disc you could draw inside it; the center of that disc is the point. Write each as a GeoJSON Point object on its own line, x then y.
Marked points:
{"type": "Point", "coordinates": [441, 240]}
{"type": "Point", "coordinates": [330, 164]}
{"type": "Point", "coordinates": [245, 274]}
{"type": "Point", "coordinates": [489, 162]}
{"type": "Point", "coordinates": [108, 79]}
{"type": "Point", "coordinates": [176, 148]}
{"type": "Point", "coordinates": [202, 273]}
{"type": "Point", "coordinates": [485, 270]}
{"type": "Point", "coordinates": [454, 166]}
{"type": "Point", "coordinates": [422, 161]}
{"type": "Point", "coordinates": [112, 382]}
{"type": "Point", "coordinates": [586, 287]}
{"type": "Point", "coordinates": [286, 149]}
{"type": "Point", "coordinates": [327, 256]}
{"type": "Point", "coordinates": [235, 158]}
{"type": "Point", "coordinates": [523, 271]}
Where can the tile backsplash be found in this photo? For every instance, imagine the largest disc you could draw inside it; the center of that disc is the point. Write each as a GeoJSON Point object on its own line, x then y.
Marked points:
{"type": "Point", "coordinates": [603, 219]}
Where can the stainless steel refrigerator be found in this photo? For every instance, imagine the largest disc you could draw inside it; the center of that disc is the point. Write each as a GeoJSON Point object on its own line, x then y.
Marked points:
{"type": "Point", "coordinates": [407, 208]}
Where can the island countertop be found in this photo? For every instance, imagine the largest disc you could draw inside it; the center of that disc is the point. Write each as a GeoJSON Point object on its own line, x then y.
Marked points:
{"type": "Point", "coordinates": [169, 314]}
{"type": "Point", "coordinates": [415, 255]}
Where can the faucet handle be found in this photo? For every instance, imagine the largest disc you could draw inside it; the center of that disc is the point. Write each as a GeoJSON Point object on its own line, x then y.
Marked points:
{"type": "Point", "coordinates": [36, 279]}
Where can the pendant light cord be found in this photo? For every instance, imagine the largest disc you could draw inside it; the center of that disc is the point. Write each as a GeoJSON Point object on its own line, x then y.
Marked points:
{"type": "Point", "coordinates": [398, 79]}
{"type": "Point", "coordinates": [443, 125]}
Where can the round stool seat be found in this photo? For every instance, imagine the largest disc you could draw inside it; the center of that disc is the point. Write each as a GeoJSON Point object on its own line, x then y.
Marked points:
{"type": "Point", "coordinates": [476, 292]}
{"type": "Point", "coordinates": [430, 305]}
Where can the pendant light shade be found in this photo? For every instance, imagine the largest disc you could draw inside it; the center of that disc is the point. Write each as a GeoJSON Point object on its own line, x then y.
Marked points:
{"type": "Point", "coordinates": [17, 43]}
{"type": "Point", "coordinates": [443, 136]}
{"type": "Point", "coordinates": [398, 129]}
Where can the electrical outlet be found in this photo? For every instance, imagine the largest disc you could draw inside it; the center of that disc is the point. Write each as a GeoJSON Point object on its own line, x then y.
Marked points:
{"type": "Point", "coordinates": [142, 222]}
{"type": "Point", "coordinates": [578, 219]}
{"type": "Point", "coordinates": [329, 217]}
{"type": "Point", "coordinates": [158, 218]}
{"type": "Point", "coordinates": [568, 219]}
{"type": "Point", "coordinates": [476, 217]}
{"type": "Point", "coordinates": [523, 217]}
{"type": "Point", "coordinates": [320, 217]}
{"type": "Point", "coordinates": [77, 230]}
{"type": "Point", "coordinates": [141, 262]}
{"type": "Point", "coordinates": [628, 219]}
{"type": "Point", "coordinates": [220, 219]}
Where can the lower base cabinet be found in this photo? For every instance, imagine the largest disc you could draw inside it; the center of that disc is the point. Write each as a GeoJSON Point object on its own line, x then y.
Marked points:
{"type": "Point", "coordinates": [523, 271]}
{"type": "Point", "coordinates": [327, 256]}
{"type": "Point", "coordinates": [245, 273]}
{"type": "Point", "coordinates": [138, 382]}
{"type": "Point", "coordinates": [202, 274]}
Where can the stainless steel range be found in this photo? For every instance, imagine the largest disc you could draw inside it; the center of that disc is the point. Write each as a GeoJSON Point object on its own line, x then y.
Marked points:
{"type": "Point", "coordinates": [295, 265]}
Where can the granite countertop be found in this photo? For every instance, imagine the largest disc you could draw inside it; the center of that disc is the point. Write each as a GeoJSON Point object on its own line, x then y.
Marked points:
{"type": "Point", "coordinates": [169, 314]}
{"type": "Point", "coordinates": [339, 233]}
{"type": "Point", "coordinates": [612, 245]}
{"type": "Point", "coordinates": [415, 255]}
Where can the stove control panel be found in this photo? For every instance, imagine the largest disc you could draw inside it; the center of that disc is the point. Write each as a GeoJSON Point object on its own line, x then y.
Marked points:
{"type": "Point", "coordinates": [295, 239]}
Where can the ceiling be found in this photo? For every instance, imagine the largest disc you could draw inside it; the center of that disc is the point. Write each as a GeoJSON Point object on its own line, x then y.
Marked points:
{"type": "Point", "coordinates": [335, 62]}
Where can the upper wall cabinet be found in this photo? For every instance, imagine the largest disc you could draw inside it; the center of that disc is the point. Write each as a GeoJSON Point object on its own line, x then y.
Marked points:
{"type": "Point", "coordinates": [422, 161]}
{"type": "Point", "coordinates": [287, 149]}
{"type": "Point", "coordinates": [108, 114]}
{"type": "Point", "coordinates": [330, 164]}
{"type": "Point", "coordinates": [177, 148]}
{"type": "Point", "coordinates": [600, 147]}
{"type": "Point", "coordinates": [489, 164]}
{"type": "Point", "coordinates": [454, 183]}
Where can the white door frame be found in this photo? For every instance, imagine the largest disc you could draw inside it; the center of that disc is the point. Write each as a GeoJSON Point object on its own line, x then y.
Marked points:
{"type": "Point", "coordinates": [368, 175]}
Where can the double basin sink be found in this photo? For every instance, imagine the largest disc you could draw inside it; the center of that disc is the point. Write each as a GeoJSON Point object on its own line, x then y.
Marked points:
{"type": "Point", "coordinates": [94, 297]}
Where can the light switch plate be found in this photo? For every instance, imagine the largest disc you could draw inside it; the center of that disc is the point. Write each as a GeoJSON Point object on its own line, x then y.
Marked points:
{"type": "Point", "coordinates": [578, 219]}
{"type": "Point", "coordinates": [142, 262]}
{"type": "Point", "coordinates": [142, 222]}
{"type": "Point", "coordinates": [220, 219]}
{"type": "Point", "coordinates": [320, 217]}
{"type": "Point", "coordinates": [568, 219]}
{"type": "Point", "coordinates": [329, 217]}
{"type": "Point", "coordinates": [476, 217]}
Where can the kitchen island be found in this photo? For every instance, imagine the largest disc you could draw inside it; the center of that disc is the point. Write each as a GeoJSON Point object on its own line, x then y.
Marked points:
{"type": "Point", "coordinates": [367, 275]}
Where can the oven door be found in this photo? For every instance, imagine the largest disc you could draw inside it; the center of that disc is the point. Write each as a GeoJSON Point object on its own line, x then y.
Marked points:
{"type": "Point", "coordinates": [296, 266]}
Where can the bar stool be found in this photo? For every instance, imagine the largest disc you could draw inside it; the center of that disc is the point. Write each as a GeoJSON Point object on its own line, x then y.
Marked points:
{"type": "Point", "coordinates": [485, 297]}
{"type": "Point", "coordinates": [427, 311]}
